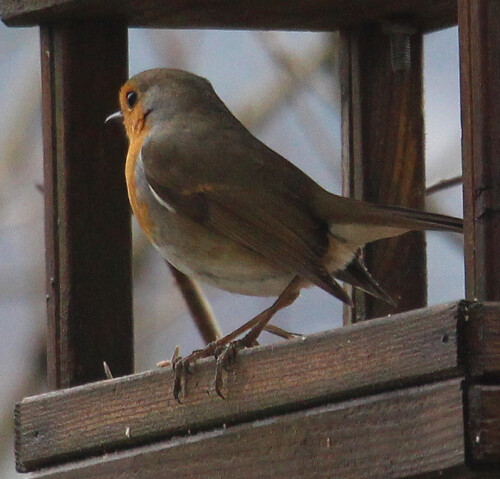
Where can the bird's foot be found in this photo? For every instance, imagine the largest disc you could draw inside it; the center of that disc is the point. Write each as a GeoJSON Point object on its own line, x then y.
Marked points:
{"type": "Point", "coordinates": [182, 366]}
{"type": "Point", "coordinates": [224, 355]}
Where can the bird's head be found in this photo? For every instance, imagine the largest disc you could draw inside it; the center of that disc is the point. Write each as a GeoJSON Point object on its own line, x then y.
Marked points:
{"type": "Point", "coordinates": [157, 96]}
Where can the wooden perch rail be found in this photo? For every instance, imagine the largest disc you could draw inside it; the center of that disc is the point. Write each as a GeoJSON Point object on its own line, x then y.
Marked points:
{"type": "Point", "coordinates": [319, 374]}
{"type": "Point", "coordinates": [313, 443]}
{"type": "Point", "coordinates": [257, 14]}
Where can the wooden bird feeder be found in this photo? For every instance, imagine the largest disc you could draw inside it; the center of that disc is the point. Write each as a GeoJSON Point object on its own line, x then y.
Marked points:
{"type": "Point", "coordinates": [416, 394]}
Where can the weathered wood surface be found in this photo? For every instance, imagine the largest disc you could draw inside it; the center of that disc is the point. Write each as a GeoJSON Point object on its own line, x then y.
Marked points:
{"type": "Point", "coordinates": [405, 349]}
{"type": "Point", "coordinates": [482, 340]}
{"type": "Point", "coordinates": [383, 159]}
{"type": "Point", "coordinates": [392, 435]}
{"type": "Point", "coordinates": [484, 424]}
{"type": "Point", "coordinates": [479, 38]}
{"type": "Point", "coordinates": [479, 35]}
{"type": "Point", "coordinates": [87, 216]}
{"type": "Point", "coordinates": [461, 472]}
{"type": "Point", "coordinates": [297, 14]}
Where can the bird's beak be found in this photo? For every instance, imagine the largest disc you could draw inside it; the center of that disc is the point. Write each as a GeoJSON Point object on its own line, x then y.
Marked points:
{"type": "Point", "coordinates": [117, 115]}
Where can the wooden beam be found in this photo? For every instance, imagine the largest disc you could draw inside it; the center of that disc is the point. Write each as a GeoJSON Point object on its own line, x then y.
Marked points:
{"type": "Point", "coordinates": [479, 35]}
{"type": "Point", "coordinates": [383, 156]}
{"type": "Point", "coordinates": [482, 340]}
{"type": "Point", "coordinates": [404, 349]}
{"type": "Point", "coordinates": [87, 216]}
{"type": "Point", "coordinates": [484, 424]}
{"type": "Point", "coordinates": [258, 14]}
{"type": "Point", "coordinates": [397, 434]}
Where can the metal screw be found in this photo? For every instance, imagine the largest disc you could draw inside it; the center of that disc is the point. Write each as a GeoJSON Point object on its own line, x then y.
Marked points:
{"type": "Point", "coordinates": [399, 34]}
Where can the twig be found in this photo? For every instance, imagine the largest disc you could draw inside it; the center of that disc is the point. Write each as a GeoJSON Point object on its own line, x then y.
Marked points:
{"type": "Point", "coordinates": [107, 371]}
{"type": "Point", "coordinates": [169, 363]}
{"type": "Point", "coordinates": [443, 184]}
{"type": "Point", "coordinates": [280, 332]}
{"type": "Point", "coordinates": [264, 103]}
{"type": "Point", "coordinates": [297, 70]}
{"type": "Point", "coordinates": [198, 306]}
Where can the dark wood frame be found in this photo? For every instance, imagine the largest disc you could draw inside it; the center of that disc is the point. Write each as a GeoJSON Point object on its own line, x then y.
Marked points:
{"type": "Point", "coordinates": [425, 384]}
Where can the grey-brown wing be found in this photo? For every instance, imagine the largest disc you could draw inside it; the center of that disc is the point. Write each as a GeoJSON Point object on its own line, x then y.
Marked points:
{"type": "Point", "coordinates": [246, 208]}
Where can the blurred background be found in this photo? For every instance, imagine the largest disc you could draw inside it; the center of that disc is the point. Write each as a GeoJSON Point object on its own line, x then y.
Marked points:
{"type": "Point", "coordinates": [284, 88]}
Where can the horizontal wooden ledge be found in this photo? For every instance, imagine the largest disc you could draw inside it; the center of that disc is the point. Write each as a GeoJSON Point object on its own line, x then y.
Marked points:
{"type": "Point", "coordinates": [256, 14]}
{"type": "Point", "coordinates": [383, 354]}
{"type": "Point", "coordinates": [392, 435]}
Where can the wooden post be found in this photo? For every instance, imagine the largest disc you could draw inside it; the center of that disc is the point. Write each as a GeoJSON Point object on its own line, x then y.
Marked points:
{"type": "Point", "coordinates": [87, 216]}
{"type": "Point", "coordinates": [479, 36]}
{"type": "Point", "coordinates": [383, 154]}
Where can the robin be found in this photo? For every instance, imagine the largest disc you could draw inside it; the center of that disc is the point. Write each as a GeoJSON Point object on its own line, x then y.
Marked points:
{"type": "Point", "coordinates": [224, 208]}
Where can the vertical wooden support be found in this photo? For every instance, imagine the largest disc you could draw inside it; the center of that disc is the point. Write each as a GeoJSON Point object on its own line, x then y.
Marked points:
{"type": "Point", "coordinates": [87, 216]}
{"type": "Point", "coordinates": [479, 36]}
{"type": "Point", "coordinates": [383, 157]}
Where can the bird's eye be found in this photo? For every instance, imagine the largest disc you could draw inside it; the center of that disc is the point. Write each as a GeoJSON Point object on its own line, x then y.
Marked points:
{"type": "Point", "coordinates": [131, 99]}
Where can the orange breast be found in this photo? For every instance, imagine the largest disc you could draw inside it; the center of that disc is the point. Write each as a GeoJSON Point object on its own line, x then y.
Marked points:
{"type": "Point", "coordinates": [139, 207]}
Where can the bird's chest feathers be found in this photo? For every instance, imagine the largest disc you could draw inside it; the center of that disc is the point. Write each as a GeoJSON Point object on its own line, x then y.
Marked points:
{"type": "Point", "coordinates": [138, 204]}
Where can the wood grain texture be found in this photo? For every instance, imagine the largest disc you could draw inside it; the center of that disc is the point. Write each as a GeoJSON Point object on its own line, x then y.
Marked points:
{"type": "Point", "coordinates": [404, 349]}
{"type": "Point", "coordinates": [484, 424]}
{"type": "Point", "coordinates": [482, 340]}
{"type": "Point", "coordinates": [479, 36]}
{"type": "Point", "coordinates": [87, 229]}
{"type": "Point", "coordinates": [255, 14]}
{"type": "Point", "coordinates": [383, 160]}
{"type": "Point", "coordinates": [461, 472]}
{"type": "Point", "coordinates": [391, 435]}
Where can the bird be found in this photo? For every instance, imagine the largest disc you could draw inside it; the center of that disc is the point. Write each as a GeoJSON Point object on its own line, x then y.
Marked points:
{"type": "Point", "coordinates": [229, 211]}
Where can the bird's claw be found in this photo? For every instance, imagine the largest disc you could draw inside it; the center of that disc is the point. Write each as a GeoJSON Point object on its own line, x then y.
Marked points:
{"type": "Point", "coordinates": [224, 356]}
{"type": "Point", "coordinates": [179, 378]}
{"type": "Point", "coordinates": [182, 366]}
{"type": "Point", "coordinates": [224, 359]}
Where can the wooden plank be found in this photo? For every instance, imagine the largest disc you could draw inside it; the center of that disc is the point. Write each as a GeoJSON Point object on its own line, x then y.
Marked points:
{"type": "Point", "coordinates": [479, 35]}
{"type": "Point", "coordinates": [404, 349]}
{"type": "Point", "coordinates": [482, 339]}
{"type": "Point", "coordinates": [461, 472]}
{"type": "Point", "coordinates": [257, 14]}
{"type": "Point", "coordinates": [383, 159]}
{"type": "Point", "coordinates": [392, 435]}
{"type": "Point", "coordinates": [88, 240]}
{"type": "Point", "coordinates": [51, 210]}
{"type": "Point", "coordinates": [484, 424]}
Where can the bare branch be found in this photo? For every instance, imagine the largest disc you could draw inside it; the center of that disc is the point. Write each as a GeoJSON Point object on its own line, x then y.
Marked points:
{"type": "Point", "coordinates": [443, 184]}
{"type": "Point", "coordinates": [199, 307]}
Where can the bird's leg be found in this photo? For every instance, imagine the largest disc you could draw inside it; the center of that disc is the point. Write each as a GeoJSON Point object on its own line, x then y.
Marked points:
{"type": "Point", "coordinates": [181, 365]}
{"type": "Point", "coordinates": [225, 348]}
{"type": "Point", "coordinates": [228, 353]}
{"type": "Point", "coordinates": [285, 299]}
